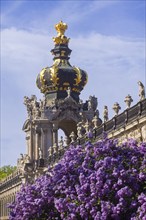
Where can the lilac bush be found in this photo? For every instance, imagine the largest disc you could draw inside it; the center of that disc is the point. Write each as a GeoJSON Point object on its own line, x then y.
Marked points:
{"type": "Point", "coordinates": [101, 181]}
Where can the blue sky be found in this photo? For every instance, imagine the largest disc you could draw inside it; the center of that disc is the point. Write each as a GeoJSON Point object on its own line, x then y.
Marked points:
{"type": "Point", "coordinates": [107, 40]}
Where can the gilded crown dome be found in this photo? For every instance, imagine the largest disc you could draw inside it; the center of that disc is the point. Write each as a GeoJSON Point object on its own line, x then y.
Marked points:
{"type": "Point", "coordinates": [54, 81]}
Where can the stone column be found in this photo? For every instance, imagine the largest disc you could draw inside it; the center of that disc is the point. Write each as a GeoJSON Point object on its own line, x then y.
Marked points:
{"type": "Point", "coordinates": [42, 141]}
{"type": "Point", "coordinates": [30, 147]}
{"type": "Point", "coordinates": [36, 145]}
{"type": "Point", "coordinates": [48, 142]}
{"type": "Point", "coordinates": [55, 134]}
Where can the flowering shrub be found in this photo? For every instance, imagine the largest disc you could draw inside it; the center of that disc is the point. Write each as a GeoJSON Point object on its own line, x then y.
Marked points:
{"type": "Point", "coordinates": [101, 181]}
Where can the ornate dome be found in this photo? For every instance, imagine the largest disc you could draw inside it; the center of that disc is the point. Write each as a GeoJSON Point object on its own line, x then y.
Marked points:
{"type": "Point", "coordinates": [55, 81]}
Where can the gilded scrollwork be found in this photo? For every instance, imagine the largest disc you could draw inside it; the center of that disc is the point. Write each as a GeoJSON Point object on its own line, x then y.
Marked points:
{"type": "Point", "coordinates": [53, 73]}
{"type": "Point", "coordinates": [78, 75]}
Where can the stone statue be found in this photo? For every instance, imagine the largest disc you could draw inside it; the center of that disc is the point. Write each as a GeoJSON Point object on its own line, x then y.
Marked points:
{"type": "Point", "coordinates": [128, 100]}
{"type": "Point", "coordinates": [95, 121]}
{"type": "Point", "coordinates": [33, 107]}
{"type": "Point", "coordinates": [27, 102]}
{"type": "Point", "coordinates": [20, 161]}
{"type": "Point", "coordinates": [92, 103]}
{"type": "Point", "coordinates": [66, 141]}
{"type": "Point", "coordinates": [79, 129]}
{"type": "Point", "coordinates": [86, 126]}
{"type": "Point", "coordinates": [42, 104]}
{"type": "Point", "coordinates": [50, 151]}
{"type": "Point", "coordinates": [26, 158]}
{"type": "Point", "coordinates": [72, 136]}
{"type": "Point", "coordinates": [105, 113]}
{"type": "Point", "coordinates": [61, 143]}
{"type": "Point", "coordinates": [141, 90]}
{"type": "Point", "coordinates": [116, 108]}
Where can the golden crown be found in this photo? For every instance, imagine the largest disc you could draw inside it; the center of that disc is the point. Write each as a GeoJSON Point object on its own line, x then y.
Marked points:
{"type": "Point", "coordinates": [60, 28]}
{"type": "Point", "coordinates": [61, 38]}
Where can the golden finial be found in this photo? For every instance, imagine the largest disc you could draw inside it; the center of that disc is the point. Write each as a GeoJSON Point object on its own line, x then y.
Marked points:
{"type": "Point", "coordinates": [60, 28]}
{"type": "Point", "coordinates": [61, 38]}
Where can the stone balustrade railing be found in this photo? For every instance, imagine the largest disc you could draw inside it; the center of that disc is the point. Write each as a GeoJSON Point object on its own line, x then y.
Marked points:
{"type": "Point", "coordinates": [10, 180]}
{"type": "Point", "coordinates": [117, 122]}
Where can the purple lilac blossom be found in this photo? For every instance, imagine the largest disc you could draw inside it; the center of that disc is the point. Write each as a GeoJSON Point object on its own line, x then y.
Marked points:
{"type": "Point", "coordinates": [101, 181]}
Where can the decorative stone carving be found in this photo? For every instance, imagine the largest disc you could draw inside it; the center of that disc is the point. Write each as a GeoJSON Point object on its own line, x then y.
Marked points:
{"type": "Point", "coordinates": [92, 103]}
{"type": "Point", "coordinates": [143, 131]}
{"type": "Point", "coordinates": [95, 121]}
{"type": "Point", "coordinates": [79, 129]}
{"type": "Point", "coordinates": [55, 147]}
{"type": "Point", "coordinates": [50, 151]}
{"type": "Point", "coordinates": [87, 126]}
{"type": "Point", "coordinates": [136, 134]}
{"type": "Point", "coordinates": [66, 141]}
{"type": "Point", "coordinates": [23, 160]}
{"type": "Point", "coordinates": [141, 90]}
{"type": "Point", "coordinates": [122, 139]}
{"type": "Point", "coordinates": [73, 137]}
{"type": "Point", "coordinates": [27, 102]}
{"type": "Point", "coordinates": [128, 100]}
{"type": "Point", "coordinates": [116, 108]}
{"type": "Point", "coordinates": [105, 113]}
{"type": "Point", "coordinates": [33, 107]}
{"type": "Point", "coordinates": [60, 143]}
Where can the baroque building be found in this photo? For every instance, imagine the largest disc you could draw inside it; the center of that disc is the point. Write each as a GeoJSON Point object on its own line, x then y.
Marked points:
{"type": "Point", "coordinates": [62, 108]}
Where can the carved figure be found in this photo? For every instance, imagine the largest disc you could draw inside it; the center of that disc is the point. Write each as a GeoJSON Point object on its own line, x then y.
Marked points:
{"type": "Point", "coordinates": [27, 102]}
{"type": "Point", "coordinates": [95, 121]}
{"type": "Point", "coordinates": [42, 104]}
{"type": "Point", "coordinates": [92, 103]}
{"type": "Point", "coordinates": [128, 100]}
{"type": "Point", "coordinates": [20, 161]}
{"type": "Point", "coordinates": [33, 107]}
{"type": "Point", "coordinates": [105, 113]}
{"type": "Point", "coordinates": [72, 136]}
{"type": "Point", "coordinates": [141, 90]}
{"type": "Point", "coordinates": [26, 158]}
{"type": "Point", "coordinates": [50, 151]}
{"type": "Point", "coordinates": [86, 126]}
{"type": "Point", "coordinates": [61, 143]}
{"type": "Point", "coordinates": [66, 141]}
{"type": "Point", "coordinates": [79, 129]}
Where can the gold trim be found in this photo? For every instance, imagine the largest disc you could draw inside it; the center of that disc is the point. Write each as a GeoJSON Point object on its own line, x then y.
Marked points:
{"type": "Point", "coordinates": [53, 73]}
{"type": "Point", "coordinates": [42, 80]}
{"type": "Point", "coordinates": [79, 76]}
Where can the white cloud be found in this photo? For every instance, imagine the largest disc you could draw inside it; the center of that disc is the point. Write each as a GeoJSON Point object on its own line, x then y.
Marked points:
{"type": "Point", "coordinates": [114, 66]}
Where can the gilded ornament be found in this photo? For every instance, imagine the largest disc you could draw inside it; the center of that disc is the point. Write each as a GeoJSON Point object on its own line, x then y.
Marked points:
{"type": "Point", "coordinates": [62, 53]}
{"type": "Point", "coordinates": [78, 76]}
{"type": "Point", "coordinates": [64, 62]}
{"type": "Point", "coordinates": [53, 74]}
{"type": "Point", "coordinates": [56, 62]}
{"type": "Point", "coordinates": [66, 84]}
{"type": "Point", "coordinates": [42, 73]}
{"type": "Point", "coordinates": [61, 38]}
{"type": "Point", "coordinates": [60, 28]}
